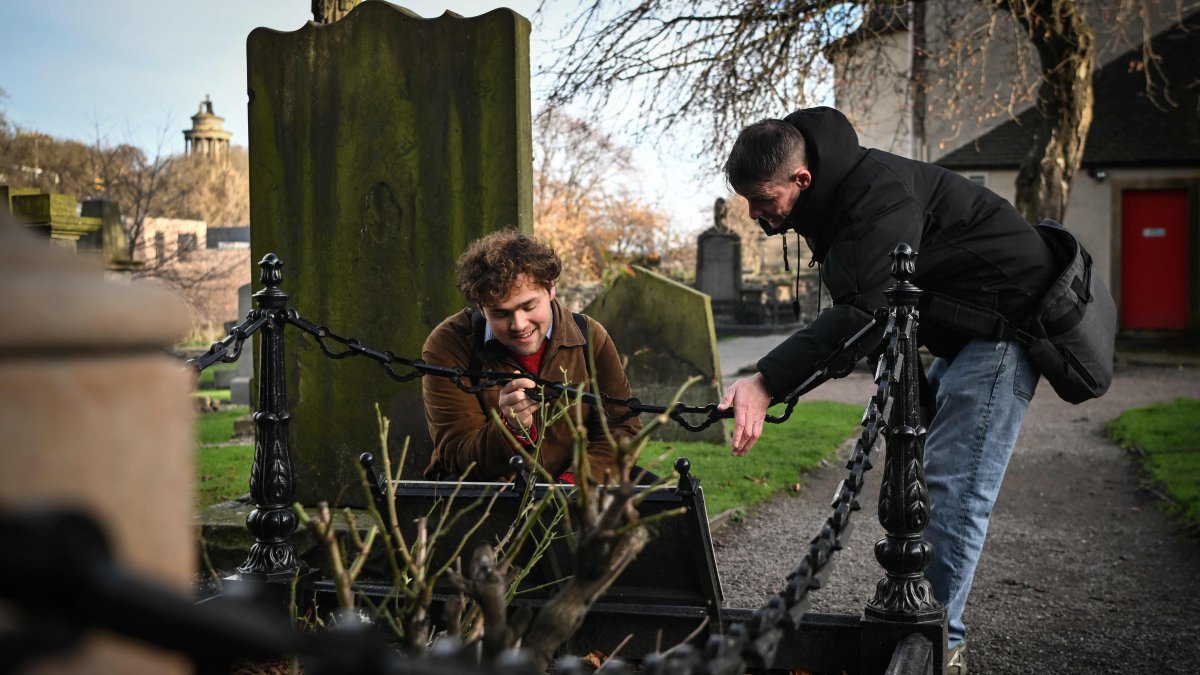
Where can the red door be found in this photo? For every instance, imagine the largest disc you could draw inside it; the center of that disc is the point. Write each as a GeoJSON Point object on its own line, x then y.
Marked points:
{"type": "Point", "coordinates": [1154, 268]}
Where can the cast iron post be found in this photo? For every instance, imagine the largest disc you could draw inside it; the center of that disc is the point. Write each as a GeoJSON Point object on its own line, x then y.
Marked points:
{"type": "Point", "coordinates": [904, 595]}
{"type": "Point", "coordinates": [272, 522]}
{"type": "Point", "coordinates": [903, 626]}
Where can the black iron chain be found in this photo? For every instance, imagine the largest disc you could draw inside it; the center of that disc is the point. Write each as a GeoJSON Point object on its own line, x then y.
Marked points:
{"type": "Point", "coordinates": [753, 644]}
{"type": "Point", "coordinates": [229, 349]}
{"type": "Point", "coordinates": [839, 363]}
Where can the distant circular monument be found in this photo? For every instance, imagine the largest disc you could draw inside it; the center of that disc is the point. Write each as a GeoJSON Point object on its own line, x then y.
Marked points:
{"type": "Point", "coordinates": [207, 137]}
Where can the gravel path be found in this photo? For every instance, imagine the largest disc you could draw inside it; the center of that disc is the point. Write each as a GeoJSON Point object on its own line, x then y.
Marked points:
{"type": "Point", "coordinates": [1081, 573]}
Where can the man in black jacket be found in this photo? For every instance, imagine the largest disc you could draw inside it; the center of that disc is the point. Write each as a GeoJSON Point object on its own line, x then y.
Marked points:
{"type": "Point", "coordinates": [853, 206]}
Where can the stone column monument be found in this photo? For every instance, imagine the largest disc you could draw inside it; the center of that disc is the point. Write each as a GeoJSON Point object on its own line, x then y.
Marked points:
{"type": "Point", "coordinates": [719, 265]}
{"type": "Point", "coordinates": [380, 145]}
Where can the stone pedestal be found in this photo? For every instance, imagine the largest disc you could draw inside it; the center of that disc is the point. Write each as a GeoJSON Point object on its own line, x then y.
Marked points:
{"type": "Point", "coordinates": [96, 416]}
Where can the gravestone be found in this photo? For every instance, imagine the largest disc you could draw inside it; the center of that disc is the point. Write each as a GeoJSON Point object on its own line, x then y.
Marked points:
{"type": "Point", "coordinates": [114, 241]}
{"type": "Point", "coordinates": [719, 265]}
{"type": "Point", "coordinates": [380, 146]}
{"type": "Point", "coordinates": [664, 332]}
{"type": "Point", "coordinates": [239, 386]}
{"type": "Point", "coordinates": [54, 215]}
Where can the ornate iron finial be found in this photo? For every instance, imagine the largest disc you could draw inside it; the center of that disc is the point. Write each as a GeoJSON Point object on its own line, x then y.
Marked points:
{"type": "Point", "coordinates": [904, 263]}
{"type": "Point", "coordinates": [272, 270]}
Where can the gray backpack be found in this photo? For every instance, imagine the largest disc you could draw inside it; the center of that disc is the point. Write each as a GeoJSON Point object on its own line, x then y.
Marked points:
{"type": "Point", "coordinates": [1070, 335]}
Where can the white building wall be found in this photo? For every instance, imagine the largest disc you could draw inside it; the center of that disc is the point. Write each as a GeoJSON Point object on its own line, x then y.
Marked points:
{"type": "Point", "coordinates": [879, 108]}
{"type": "Point", "coordinates": [1003, 64]}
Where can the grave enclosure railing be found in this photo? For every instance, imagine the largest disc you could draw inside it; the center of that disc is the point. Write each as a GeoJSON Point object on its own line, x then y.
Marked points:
{"type": "Point", "coordinates": [902, 626]}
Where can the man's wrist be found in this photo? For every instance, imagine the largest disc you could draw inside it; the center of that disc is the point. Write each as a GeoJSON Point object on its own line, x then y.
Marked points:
{"type": "Point", "coordinates": [525, 436]}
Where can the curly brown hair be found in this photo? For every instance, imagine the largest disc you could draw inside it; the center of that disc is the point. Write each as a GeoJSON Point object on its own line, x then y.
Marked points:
{"type": "Point", "coordinates": [488, 270]}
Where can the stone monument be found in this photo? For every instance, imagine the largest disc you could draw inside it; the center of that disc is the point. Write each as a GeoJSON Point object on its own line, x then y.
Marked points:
{"type": "Point", "coordinates": [719, 265]}
{"type": "Point", "coordinates": [208, 138]}
{"type": "Point", "coordinates": [664, 332]}
{"type": "Point", "coordinates": [243, 374]}
{"type": "Point", "coordinates": [380, 145]}
{"type": "Point", "coordinates": [328, 11]}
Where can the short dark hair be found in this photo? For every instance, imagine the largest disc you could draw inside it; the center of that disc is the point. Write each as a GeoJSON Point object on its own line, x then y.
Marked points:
{"type": "Point", "coordinates": [766, 150]}
{"type": "Point", "coordinates": [490, 267]}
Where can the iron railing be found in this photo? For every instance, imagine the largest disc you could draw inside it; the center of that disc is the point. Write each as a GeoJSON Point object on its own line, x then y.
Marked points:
{"type": "Point", "coordinates": [902, 613]}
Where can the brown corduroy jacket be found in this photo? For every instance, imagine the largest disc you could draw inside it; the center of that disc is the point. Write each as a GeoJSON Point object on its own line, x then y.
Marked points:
{"type": "Point", "coordinates": [461, 424]}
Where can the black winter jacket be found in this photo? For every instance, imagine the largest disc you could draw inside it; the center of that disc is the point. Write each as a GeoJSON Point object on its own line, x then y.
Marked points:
{"type": "Point", "coordinates": [971, 244]}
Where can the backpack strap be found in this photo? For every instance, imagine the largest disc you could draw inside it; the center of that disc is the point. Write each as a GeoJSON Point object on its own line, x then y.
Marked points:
{"type": "Point", "coordinates": [478, 324]}
{"type": "Point", "coordinates": [581, 322]}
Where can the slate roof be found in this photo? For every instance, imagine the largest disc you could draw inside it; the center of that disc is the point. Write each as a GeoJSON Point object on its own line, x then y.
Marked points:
{"type": "Point", "coordinates": [1127, 128]}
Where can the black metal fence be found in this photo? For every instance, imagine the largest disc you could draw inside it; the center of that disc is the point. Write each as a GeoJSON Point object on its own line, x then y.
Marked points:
{"type": "Point", "coordinates": [901, 629]}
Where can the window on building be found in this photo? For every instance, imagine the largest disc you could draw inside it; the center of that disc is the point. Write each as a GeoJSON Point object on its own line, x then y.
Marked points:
{"type": "Point", "coordinates": [980, 178]}
{"type": "Point", "coordinates": [187, 244]}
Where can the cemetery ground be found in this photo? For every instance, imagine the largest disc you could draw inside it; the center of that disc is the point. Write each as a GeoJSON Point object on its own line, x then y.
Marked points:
{"type": "Point", "coordinates": [1092, 558]}
{"type": "Point", "coordinates": [1087, 569]}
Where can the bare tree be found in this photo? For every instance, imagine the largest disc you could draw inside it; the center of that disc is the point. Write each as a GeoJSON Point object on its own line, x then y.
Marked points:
{"type": "Point", "coordinates": [216, 192]}
{"type": "Point", "coordinates": [144, 186]}
{"type": "Point", "coordinates": [582, 202]}
{"type": "Point", "coordinates": [724, 63]}
{"type": "Point", "coordinates": [147, 189]}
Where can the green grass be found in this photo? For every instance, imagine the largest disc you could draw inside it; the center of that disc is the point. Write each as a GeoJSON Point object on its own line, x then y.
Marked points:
{"type": "Point", "coordinates": [205, 380]}
{"type": "Point", "coordinates": [775, 464]}
{"type": "Point", "coordinates": [214, 394]}
{"type": "Point", "coordinates": [217, 427]}
{"type": "Point", "coordinates": [1164, 438]}
{"type": "Point", "coordinates": [222, 471]}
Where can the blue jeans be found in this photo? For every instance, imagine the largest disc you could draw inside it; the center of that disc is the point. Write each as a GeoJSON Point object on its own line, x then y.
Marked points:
{"type": "Point", "coordinates": [980, 398]}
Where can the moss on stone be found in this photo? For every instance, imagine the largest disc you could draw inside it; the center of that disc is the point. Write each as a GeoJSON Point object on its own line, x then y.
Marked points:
{"type": "Point", "coordinates": [380, 145]}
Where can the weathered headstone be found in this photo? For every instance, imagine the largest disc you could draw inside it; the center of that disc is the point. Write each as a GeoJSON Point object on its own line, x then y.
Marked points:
{"type": "Point", "coordinates": [114, 242]}
{"type": "Point", "coordinates": [96, 416]}
{"type": "Point", "coordinates": [380, 145]}
{"type": "Point", "coordinates": [665, 333]}
{"type": "Point", "coordinates": [719, 265]}
{"type": "Point", "coordinates": [53, 215]}
{"type": "Point", "coordinates": [239, 386]}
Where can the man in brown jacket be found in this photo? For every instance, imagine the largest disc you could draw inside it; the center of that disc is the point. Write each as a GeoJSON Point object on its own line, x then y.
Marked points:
{"type": "Point", "coordinates": [518, 326]}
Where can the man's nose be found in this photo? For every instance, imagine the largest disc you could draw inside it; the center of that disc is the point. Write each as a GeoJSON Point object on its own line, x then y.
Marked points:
{"type": "Point", "coordinates": [755, 213]}
{"type": "Point", "coordinates": [519, 321]}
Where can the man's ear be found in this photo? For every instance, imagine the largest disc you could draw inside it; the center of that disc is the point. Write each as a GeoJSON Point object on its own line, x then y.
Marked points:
{"type": "Point", "coordinates": [553, 289]}
{"type": "Point", "coordinates": [803, 177]}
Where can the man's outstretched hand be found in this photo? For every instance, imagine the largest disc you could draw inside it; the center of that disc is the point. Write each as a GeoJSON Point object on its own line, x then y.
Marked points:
{"type": "Point", "coordinates": [750, 399]}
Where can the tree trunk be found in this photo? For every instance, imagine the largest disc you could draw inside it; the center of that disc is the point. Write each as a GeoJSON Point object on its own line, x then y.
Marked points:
{"type": "Point", "coordinates": [561, 617]}
{"type": "Point", "coordinates": [1066, 47]}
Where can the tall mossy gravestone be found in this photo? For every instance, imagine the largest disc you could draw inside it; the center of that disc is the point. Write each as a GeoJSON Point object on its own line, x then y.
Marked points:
{"type": "Point", "coordinates": [380, 145]}
{"type": "Point", "coordinates": [665, 334]}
